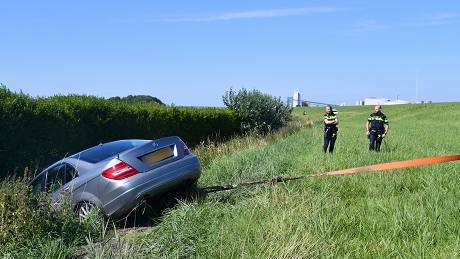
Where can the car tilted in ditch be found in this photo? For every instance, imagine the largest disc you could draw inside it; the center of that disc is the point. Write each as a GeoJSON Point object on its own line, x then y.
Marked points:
{"type": "Point", "coordinates": [114, 177]}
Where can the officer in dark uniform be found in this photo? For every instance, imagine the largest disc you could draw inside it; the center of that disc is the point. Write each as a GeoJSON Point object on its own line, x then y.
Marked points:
{"type": "Point", "coordinates": [376, 128]}
{"type": "Point", "coordinates": [330, 129]}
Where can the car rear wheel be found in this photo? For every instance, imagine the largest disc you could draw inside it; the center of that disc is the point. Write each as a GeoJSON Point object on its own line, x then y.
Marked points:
{"type": "Point", "coordinates": [85, 209]}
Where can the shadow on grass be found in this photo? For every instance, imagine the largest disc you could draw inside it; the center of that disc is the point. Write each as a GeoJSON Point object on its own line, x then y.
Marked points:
{"type": "Point", "coordinates": [149, 212]}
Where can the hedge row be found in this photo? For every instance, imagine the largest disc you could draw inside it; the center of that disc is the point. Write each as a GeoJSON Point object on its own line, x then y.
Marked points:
{"type": "Point", "coordinates": [35, 132]}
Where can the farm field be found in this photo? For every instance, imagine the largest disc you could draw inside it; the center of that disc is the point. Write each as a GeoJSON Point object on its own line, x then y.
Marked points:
{"type": "Point", "coordinates": [403, 213]}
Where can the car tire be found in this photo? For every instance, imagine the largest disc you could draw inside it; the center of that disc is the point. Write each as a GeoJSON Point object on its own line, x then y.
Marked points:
{"type": "Point", "coordinates": [85, 209]}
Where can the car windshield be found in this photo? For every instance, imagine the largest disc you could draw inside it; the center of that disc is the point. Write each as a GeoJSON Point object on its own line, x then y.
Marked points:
{"type": "Point", "coordinates": [104, 151]}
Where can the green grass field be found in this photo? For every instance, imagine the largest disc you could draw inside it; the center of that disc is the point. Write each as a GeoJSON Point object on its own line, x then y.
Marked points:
{"type": "Point", "coordinates": [404, 213]}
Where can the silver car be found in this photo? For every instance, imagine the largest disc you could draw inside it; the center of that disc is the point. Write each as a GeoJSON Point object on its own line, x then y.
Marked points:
{"type": "Point", "coordinates": [116, 176]}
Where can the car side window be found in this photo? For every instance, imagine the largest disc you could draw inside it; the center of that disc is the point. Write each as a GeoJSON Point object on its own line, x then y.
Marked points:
{"type": "Point", "coordinates": [38, 183]}
{"type": "Point", "coordinates": [59, 175]}
{"type": "Point", "coordinates": [70, 173]}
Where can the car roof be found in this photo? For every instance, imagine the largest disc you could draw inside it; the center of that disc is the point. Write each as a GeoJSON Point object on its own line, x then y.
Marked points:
{"type": "Point", "coordinates": [111, 142]}
{"type": "Point", "coordinates": [76, 162]}
{"type": "Point", "coordinates": [102, 151]}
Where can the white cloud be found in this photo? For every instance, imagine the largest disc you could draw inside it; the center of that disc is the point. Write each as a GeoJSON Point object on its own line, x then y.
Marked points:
{"type": "Point", "coordinates": [268, 13]}
{"type": "Point", "coordinates": [427, 20]}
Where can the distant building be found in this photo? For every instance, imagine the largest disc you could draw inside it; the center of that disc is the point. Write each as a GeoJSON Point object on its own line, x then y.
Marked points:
{"type": "Point", "coordinates": [381, 101]}
{"type": "Point", "coordinates": [375, 101]}
{"type": "Point", "coordinates": [395, 102]}
{"type": "Point", "coordinates": [296, 101]}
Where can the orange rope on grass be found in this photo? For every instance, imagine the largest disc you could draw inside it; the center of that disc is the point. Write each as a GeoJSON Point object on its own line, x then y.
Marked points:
{"type": "Point", "coordinates": [355, 170]}
{"type": "Point", "coordinates": [392, 165]}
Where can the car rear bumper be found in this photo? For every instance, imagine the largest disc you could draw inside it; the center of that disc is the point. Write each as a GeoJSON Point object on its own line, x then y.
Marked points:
{"type": "Point", "coordinates": [152, 183]}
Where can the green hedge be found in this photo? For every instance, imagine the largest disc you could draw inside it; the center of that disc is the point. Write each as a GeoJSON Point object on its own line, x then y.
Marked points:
{"type": "Point", "coordinates": [35, 132]}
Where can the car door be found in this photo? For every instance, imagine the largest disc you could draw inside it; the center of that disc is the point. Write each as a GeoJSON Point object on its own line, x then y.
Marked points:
{"type": "Point", "coordinates": [59, 178]}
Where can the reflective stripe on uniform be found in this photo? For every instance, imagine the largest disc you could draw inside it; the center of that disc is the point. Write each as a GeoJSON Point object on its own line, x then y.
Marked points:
{"type": "Point", "coordinates": [378, 118]}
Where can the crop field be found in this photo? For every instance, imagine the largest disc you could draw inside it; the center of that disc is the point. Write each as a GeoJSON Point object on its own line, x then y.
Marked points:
{"type": "Point", "coordinates": [403, 213]}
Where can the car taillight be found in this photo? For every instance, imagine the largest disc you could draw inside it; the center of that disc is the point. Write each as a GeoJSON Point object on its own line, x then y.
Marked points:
{"type": "Point", "coordinates": [119, 171]}
{"type": "Point", "coordinates": [186, 150]}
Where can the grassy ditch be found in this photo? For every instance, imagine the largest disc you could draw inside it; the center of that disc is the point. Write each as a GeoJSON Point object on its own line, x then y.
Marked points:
{"type": "Point", "coordinates": [404, 213]}
{"type": "Point", "coordinates": [32, 227]}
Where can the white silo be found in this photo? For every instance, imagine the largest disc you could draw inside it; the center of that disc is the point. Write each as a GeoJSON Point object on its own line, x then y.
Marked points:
{"type": "Point", "coordinates": [296, 101]}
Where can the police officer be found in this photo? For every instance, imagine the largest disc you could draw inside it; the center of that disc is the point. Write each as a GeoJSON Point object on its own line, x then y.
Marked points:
{"type": "Point", "coordinates": [330, 129]}
{"type": "Point", "coordinates": [376, 128]}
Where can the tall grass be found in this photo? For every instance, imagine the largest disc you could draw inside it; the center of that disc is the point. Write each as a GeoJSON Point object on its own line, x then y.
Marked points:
{"type": "Point", "coordinates": [31, 226]}
{"type": "Point", "coordinates": [110, 244]}
{"type": "Point", "coordinates": [404, 213]}
{"type": "Point", "coordinates": [209, 150]}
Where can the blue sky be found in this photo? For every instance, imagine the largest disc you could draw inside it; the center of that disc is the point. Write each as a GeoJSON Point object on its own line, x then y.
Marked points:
{"type": "Point", "coordinates": [191, 52]}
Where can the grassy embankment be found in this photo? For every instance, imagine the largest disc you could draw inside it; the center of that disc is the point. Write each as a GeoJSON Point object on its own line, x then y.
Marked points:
{"type": "Point", "coordinates": [409, 212]}
{"type": "Point", "coordinates": [30, 227]}
{"type": "Point", "coordinates": [403, 213]}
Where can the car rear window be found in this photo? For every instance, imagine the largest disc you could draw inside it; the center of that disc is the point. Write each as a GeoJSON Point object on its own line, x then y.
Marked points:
{"type": "Point", "coordinates": [104, 151]}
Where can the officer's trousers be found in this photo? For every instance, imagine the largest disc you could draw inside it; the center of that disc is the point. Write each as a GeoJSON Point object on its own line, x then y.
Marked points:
{"type": "Point", "coordinates": [375, 141]}
{"type": "Point", "coordinates": [329, 141]}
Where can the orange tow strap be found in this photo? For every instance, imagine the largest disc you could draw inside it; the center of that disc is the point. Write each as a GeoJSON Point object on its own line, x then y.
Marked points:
{"type": "Point", "coordinates": [355, 170]}
{"type": "Point", "coordinates": [392, 165]}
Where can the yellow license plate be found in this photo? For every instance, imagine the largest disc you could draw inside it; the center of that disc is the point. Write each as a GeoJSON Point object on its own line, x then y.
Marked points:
{"type": "Point", "coordinates": [158, 155]}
